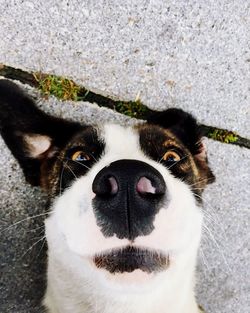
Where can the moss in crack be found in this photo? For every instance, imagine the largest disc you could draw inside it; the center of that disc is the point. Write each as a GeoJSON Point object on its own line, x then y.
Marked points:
{"type": "Point", "coordinates": [66, 89]}
{"type": "Point", "coordinates": [223, 135]}
{"type": "Point", "coordinates": [132, 108]}
{"type": "Point", "coordinates": [60, 87]}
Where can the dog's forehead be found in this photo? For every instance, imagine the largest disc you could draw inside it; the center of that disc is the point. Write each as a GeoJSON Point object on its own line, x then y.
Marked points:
{"type": "Point", "coordinates": [118, 138]}
{"type": "Point", "coordinates": [151, 140]}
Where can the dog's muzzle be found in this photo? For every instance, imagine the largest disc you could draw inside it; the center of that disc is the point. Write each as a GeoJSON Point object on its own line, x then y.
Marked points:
{"type": "Point", "coordinates": [128, 195]}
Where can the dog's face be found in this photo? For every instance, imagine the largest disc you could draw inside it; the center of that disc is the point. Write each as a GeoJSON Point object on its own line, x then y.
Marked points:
{"type": "Point", "coordinates": [125, 200]}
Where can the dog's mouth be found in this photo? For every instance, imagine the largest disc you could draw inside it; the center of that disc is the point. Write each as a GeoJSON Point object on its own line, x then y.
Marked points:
{"type": "Point", "coordinates": [130, 258]}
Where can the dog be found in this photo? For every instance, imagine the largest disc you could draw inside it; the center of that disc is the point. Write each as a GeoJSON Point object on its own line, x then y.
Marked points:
{"type": "Point", "coordinates": [125, 218]}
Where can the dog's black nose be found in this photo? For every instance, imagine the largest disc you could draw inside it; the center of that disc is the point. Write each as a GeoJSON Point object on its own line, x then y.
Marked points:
{"type": "Point", "coordinates": [128, 196]}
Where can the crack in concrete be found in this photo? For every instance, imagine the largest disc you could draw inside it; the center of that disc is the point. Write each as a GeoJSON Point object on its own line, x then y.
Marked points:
{"type": "Point", "coordinates": [66, 89]}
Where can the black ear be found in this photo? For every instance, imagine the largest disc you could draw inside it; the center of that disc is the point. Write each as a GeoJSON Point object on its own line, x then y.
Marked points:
{"type": "Point", "coordinates": [181, 124]}
{"type": "Point", "coordinates": [31, 135]}
{"type": "Point", "coordinates": [185, 127]}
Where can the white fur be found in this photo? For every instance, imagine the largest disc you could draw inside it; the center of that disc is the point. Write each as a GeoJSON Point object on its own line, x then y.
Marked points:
{"type": "Point", "coordinates": [75, 285]}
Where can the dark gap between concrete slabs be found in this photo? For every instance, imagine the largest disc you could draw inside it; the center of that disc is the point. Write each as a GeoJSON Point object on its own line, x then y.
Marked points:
{"type": "Point", "coordinates": [66, 89]}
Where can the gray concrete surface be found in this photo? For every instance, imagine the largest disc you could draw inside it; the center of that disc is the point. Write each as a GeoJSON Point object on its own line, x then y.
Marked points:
{"type": "Point", "coordinates": [189, 54]}
{"type": "Point", "coordinates": [180, 53]}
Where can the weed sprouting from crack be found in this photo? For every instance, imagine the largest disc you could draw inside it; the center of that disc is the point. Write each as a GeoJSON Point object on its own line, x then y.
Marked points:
{"type": "Point", "coordinates": [223, 135]}
{"type": "Point", "coordinates": [60, 87]}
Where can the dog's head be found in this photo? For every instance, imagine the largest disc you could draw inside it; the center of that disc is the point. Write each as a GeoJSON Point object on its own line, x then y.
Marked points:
{"type": "Point", "coordinates": [126, 200]}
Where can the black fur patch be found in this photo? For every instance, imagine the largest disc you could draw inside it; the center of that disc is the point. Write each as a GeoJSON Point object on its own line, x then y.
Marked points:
{"type": "Point", "coordinates": [130, 258]}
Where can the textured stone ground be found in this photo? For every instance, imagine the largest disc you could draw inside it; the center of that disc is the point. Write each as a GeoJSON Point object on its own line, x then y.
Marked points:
{"type": "Point", "coordinates": [189, 54]}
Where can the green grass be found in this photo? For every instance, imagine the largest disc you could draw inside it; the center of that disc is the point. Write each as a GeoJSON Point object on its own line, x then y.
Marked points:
{"type": "Point", "coordinates": [223, 135]}
{"type": "Point", "coordinates": [60, 87]}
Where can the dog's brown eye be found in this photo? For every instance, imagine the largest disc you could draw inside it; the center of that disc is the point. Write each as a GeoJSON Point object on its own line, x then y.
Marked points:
{"type": "Point", "coordinates": [80, 156]}
{"type": "Point", "coordinates": [171, 156]}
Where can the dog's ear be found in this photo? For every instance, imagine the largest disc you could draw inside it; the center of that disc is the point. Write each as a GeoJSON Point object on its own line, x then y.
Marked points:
{"type": "Point", "coordinates": [185, 127]}
{"type": "Point", "coordinates": [182, 124]}
{"type": "Point", "coordinates": [32, 135]}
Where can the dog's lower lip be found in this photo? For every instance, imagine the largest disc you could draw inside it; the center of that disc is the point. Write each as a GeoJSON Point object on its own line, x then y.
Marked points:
{"type": "Point", "coordinates": [131, 258]}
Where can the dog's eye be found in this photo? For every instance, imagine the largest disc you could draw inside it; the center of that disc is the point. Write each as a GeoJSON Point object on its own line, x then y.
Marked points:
{"type": "Point", "coordinates": [171, 157]}
{"type": "Point", "coordinates": [80, 156]}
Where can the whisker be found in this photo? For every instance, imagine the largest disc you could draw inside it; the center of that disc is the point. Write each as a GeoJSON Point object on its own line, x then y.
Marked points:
{"type": "Point", "coordinates": [177, 162]}
{"type": "Point", "coordinates": [212, 217]}
{"type": "Point", "coordinates": [197, 188]}
{"type": "Point", "coordinates": [66, 165]}
{"type": "Point", "coordinates": [93, 156]}
{"type": "Point", "coordinates": [26, 219]}
{"type": "Point", "coordinates": [184, 157]}
{"type": "Point", "coordinates": [42, 246]}
{"type": "Point", "coordinates": [217, 245]}
{"type": "Point", "coordinates": [209, 219]}
{"type": "Point", "coordinates": [212, 221]}
{"type": "Point", "coordinates": [35, 229]}
{"type": "Point", "coordinates": [201, 180]}
{"type": "Point", "coordinates": [68, 159]}
{"type": "Point", "coordinates": [32, 246]}
{"type": "Point", "coordinates": [61, 177]}
{"type": "Point", "coordinates": [202, 254]}
{"type": "Point", "coordinates": [79, 163]}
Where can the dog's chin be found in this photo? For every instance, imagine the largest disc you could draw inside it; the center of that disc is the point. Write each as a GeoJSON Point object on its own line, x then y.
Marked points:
{"type": "Point", "coordinates": [137, 279]}
{"type": "Point", "coordinates": [131, 265]}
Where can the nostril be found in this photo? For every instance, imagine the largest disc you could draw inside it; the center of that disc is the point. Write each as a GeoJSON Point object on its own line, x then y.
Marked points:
{"type": "Point", "coordinates": [113, 185]}
{"type": "Point", "coordinates": [144, 186]}
{"type": "Point", "coordinates": [105, 186]}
